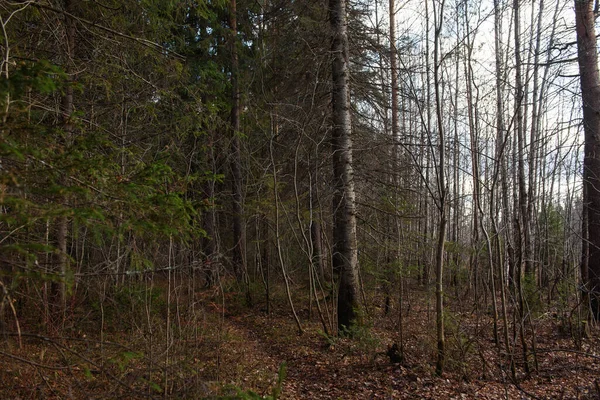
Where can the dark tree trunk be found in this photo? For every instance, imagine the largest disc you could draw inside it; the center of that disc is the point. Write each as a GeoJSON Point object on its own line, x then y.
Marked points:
{"type": "Point", "coordinates": [239, 237]}
{"type": "Point", "coordinates": [209, 241]}
{"type": "Point", "coordinates": [62, 224]}
{"type": "Point", "coordinates": [315, 237]}
{"type": "Point", "coordinates": [590, 93]}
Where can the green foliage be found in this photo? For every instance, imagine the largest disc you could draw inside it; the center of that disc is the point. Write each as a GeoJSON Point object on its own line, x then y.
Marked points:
{"type": "Point", "coordinates": [281, 375]}
{"type": "Point", "coordinates": [41, 76]}
{"type": "Point", "coordinates": [129, 306]}
{"type": "Point", "coordinates": [124, 359]}
{"type": "Point", "coordinates": [363, 342]}
{"type": "Point", "coordinates": [329, 339]}
{"type": "Point", "coordinates": [552, 227]}
{"type": "Point", "coordinates": [85, 173]}
{"type": "Point", "coordinates": [155, 386]}
{"type": "Point", "coordinates": [367, 342]}
{"type": "Point", "coordinates": [251, 395]}
{"type": "Point", "coordinates": [135, 296]}
{"type": "Point", "coordinates": [459, 343]}
{"type": "Point", "coordinates": [565, 290]}
{"type": "Point", "coordinates": [531, 295]}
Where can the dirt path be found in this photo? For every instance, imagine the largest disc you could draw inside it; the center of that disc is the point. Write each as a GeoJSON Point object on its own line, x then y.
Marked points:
{"type": "Point", "coordinates": [359, 369]}
{"type": "Point", "coordinates": [318, 369]}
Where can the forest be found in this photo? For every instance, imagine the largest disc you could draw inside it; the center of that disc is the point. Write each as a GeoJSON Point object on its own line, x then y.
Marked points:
{"type": "Point", "coordinates": [284, 199]}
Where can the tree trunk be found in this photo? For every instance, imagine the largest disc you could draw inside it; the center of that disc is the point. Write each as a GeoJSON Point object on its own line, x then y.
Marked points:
{"type": "Point", "coordinates": [590, 93]}
{"type": "Point", "coordinates": [534, 135]}
{"type": "Point", "coordinates": [209, 241]}
{"type": "Point", "coordinates": [239, 237]}
{"type": "Point", "coordinates": [523, 266]}
{"type": "Point", "coordinates": [501, 146]}
{"type": "Point", "coordinates": [426, 159]}
{"type": "Point", "coordinates": [394, 82]}
{"type": "Point", "coordinates": [474, 142]}
{"type": "Point", "coordinates": [62, 224]}
{"type": "Point", "coordinates": [317, 253]}
{"type": "Point", "coordinates": [439, 259]}
{"type": "Point", "coordinates": [345, 255]}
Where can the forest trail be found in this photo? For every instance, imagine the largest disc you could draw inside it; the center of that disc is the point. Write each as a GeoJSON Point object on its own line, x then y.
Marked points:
{"type": "Point", "coordinates": [331, 368]}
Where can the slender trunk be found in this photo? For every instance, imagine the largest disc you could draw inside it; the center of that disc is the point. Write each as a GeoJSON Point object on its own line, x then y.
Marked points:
{"type": "Point", "coordinates": [394, 81]}
{"type": "Point", "coordinates": [396, 167]}
{"type": "Point", "coordinates": [534, 132]}
{"type": "Point", "coordinates": [278, 239]}
{"type": "Point", "coordinates": [501, 145]}
{"type": "Point", "coordinates": [473, 135]}
{"type": "Point", "coordinates": [62, 224]}
{"type": "Point", "coordinates": [239, 236]}
{"type": "Point", "coordinates": [426, 159]}
{"type": "Point", "coordinates": [263, 257]}
{"type": "Point", "coordinates": [317, 255]}
{"type": "Point", "coordinates": [439, 262]}
{"type": "Point", "coordinates": [521, 220]}
{"type": "Point", "coordinates": [345, 255]}
{"type": "Point", "coordinates": [455, 163]}
{"type": "Point", "coordinates": [209, 241]}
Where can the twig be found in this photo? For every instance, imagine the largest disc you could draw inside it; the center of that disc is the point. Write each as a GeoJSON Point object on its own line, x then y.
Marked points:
{"type": "Point", "coordinates": [525, 391]}
{"type": "Point", "coordinates": [145, 42]}
{"type": "Point", "coordinates": [57, 345]}
{"type": "Point", "coordinates": [6, 297]}
{"type": "Point", "coordinates": [47, 383]}
{"type": "Point", "coordinates": [583, 353]}
{"type": "Point", "coordinates": [26, 361]}
{"type": "Point", "coordinates": [73, 339]}
{"type": "Point", "coordinates": [102, 369]}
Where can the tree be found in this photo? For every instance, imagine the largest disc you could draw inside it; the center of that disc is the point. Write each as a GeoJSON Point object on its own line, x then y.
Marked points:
{"type": "Point", "coordinates": [590, 94]}
{"type": "Point", "coordinates": [345, 254]}
{"type": "Point", "coordinates": [62, 228]}
{"type": "Point", "coordinates": [441, 191]}
{"type": "Point", "coordinates": [239, 235]}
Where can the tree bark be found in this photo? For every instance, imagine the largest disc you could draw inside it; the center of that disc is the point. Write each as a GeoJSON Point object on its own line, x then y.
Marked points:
{"type": "Point", "coordinates": [442, 192]}
{"type": "Point", "coordinates": [239, 236]}
{"type": "Point", "coordinates": [62, 224]}
{"type": "Point", "coordinates": [590, 93]}
{"type": "Point", "coordinates": [501, 174]}
{"type": "Point", "coordinates": [474, 142]}
{"type": "Point", "coordinates": [523, 265]}
{"type": "Point", "coordinates": [345, 255]}
{"type": "Point", "coordinates": [394, 82]}
{"type": "Point", "coordinates": [317, 252]}
{"type": "Point", "coordinates": [209, 241]}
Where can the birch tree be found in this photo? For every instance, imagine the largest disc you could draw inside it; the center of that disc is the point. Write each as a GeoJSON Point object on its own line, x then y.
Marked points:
{"type": "Point", "coordinates": [345, 255]}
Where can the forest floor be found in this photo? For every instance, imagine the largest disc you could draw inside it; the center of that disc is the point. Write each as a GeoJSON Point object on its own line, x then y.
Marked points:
{"type": "Point", "coordinates": [238, 352]}
{"type": "Point", "coordinates": [322, 367]}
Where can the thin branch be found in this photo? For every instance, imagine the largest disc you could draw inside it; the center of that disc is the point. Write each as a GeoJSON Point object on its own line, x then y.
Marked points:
{"type": "Point", "coordinates": [145, 42]}
{"type": "Point", "coordinates": [26, 361]}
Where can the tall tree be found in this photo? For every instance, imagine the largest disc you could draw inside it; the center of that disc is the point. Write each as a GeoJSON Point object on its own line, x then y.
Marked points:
{"type": "Point", "coordinates": [590, 93]}
{"type": "Point", "coordinates": [438, 14]}
{"type": "Point", "coordinates": [345, 254]}
{"type": "Point", "coordinates": [499, 173]}
{"type": "Point", "coordinates": [62, 228]}
{"type": "Point", "coordinates": [520, 218]}
{"type": "Point", "coordinates": [239, 236]}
